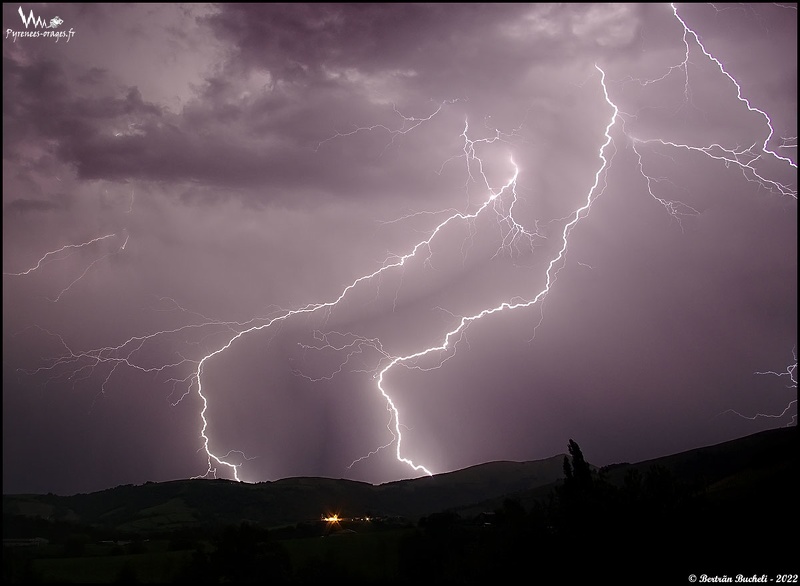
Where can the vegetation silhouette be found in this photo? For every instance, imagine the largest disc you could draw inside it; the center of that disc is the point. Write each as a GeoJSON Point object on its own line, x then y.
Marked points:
{"type": "Point", "coordinates": [652, 527]}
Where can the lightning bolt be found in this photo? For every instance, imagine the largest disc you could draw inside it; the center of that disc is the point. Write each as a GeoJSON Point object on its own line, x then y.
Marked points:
{"type": "Point", "coordinates": [423, 245]}
{"type": "Point", "coordinates": [791, 374]}
{"type": "Point", "coordinates": [447, 348]}
{"type": "Point", "coordinates": [53, 253]}
{"type": "Point", "coordinates": [409, 124]}
{"type": "Point", "coordinates": [498, 203]}
{"type": "Point", "coordinates": [51, 256]}
{"type": "Point", "coordinates": [744, 159]}
{"type": "Point", "coordinates": [88, 268]}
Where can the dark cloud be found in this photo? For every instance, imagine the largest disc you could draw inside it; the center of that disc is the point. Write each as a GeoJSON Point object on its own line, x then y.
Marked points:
{"type": "Point", "coordinates": [247, 128]}
{"type": "Point", "coordinates": [373, 38]}
{"type": "Point", "coordinates": [220, 139]}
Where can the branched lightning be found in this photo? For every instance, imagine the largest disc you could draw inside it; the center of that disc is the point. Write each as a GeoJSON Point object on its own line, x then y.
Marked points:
{"type": "Point", "coordinates": [87, 269]}
{"type": "Point", "coordinates": [447, 348]}
{"type": "Point", "coordinates": [511, 231]}
{"type": "Point", "coordinates": [744, 159]}
{"type": "Point", "coordinates": [421, 246]}
{"type": "Point", "coordinates": [53, 253]}
{"type": "Point", "coordinates": [52, 256]}
{"type": "Point", "coordinates": [765, 145]}
{"type": "Point", "coordinates": [791, 374]}
{"type": "Point", "coordinates": [187, 374]}
{"type": "Point", "coordinates": [409, 124]}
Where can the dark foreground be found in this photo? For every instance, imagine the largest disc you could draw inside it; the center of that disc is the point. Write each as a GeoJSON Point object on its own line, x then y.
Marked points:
{"type": "Point", "coordinates": [722, 513]}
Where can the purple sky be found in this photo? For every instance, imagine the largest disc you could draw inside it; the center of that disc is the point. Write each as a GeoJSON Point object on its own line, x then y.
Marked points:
{"type": "Point", "coordinates": [197, 171]}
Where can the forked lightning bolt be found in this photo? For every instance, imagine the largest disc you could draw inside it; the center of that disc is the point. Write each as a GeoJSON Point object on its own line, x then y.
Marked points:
{"type": "Point", "coordinates": [52, 254]}
{"type": "Point", "coordinates": [744, 159]}
{"type": "Point", "coordinates": [497, 203]}
{"type": "Point", "coordinates": [791, 383]}
{"type": "Point", "coordinates": [448, 346]}
{"type": "Point", "coordinates": [421, 247]}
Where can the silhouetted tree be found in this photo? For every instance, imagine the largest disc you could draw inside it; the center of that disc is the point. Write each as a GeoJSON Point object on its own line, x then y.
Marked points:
{"type": "Point", "coordinates": [578, 473]}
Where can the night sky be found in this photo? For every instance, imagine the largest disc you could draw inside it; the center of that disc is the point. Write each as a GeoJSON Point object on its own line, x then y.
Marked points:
{"type": "Point", "coordinates": [190, 189]}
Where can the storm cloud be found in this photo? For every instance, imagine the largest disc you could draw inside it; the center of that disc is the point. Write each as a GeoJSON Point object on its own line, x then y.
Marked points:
{"type": "Point", "coordinates": [244, 162]}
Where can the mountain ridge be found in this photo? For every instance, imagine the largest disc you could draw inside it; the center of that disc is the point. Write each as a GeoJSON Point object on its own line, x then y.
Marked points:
{"type": "Point", "coordinates": [151, 507]}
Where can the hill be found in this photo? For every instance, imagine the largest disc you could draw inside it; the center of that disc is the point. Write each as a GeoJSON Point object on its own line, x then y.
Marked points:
{"type": "Point", "coordinates": [729, 471]}
{"type": "Point", "coordinates": [720, 510]}
{"type": "Point", "coordinates": [154, 507]}
{"type": "Point", "coordinates": [738, 471]}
